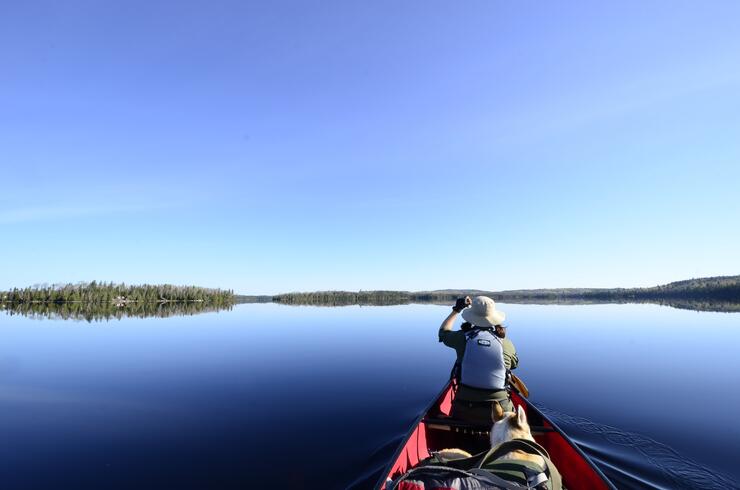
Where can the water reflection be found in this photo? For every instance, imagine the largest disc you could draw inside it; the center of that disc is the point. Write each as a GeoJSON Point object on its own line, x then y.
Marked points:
{"type": "Point", "coordinates": [682, 304]}
{"type": "Point", "coordinates": [79, 311]}
{"type": "Point", "coordinates": [215, 401]}
{"type": "Point", "coordinates": [97, 312]}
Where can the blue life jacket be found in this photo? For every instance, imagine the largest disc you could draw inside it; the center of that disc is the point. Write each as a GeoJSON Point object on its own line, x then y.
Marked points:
{"type": "Point", "coordinates": [483, 362]}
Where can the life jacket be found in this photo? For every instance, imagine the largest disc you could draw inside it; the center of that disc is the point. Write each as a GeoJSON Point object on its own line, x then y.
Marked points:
{"type": "Point", "coordinates": [484, 471]}
{"type": "Point", "coordinates": [483, 362]}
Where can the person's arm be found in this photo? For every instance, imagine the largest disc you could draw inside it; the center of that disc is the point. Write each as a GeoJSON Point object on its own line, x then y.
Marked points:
{"type": "Point", "coordinates": [449, 321]}
{"type": "Point", "coordinates": [460, 305]}
{"type": "Point", "coordinates": [511, 360]}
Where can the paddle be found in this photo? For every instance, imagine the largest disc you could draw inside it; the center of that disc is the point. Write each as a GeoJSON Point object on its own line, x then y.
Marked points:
{"type": "Point", "coordinates": [519, 386]}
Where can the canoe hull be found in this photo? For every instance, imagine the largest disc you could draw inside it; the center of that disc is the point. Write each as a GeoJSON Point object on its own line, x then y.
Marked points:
{"type": "Point", "coordinates": [434, 431]}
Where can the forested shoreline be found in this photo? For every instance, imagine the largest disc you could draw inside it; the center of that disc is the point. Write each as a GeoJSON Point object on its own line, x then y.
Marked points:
{"type": "Point", "coordinates": [108, 299]}
{"type": "Point", "coordinates": [720, 293]}
{"type": "Point", "coordinates": [109, 293]}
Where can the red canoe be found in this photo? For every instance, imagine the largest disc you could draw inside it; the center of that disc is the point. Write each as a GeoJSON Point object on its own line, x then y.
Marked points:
{"type": "Point", "coordinates": [434, 431]}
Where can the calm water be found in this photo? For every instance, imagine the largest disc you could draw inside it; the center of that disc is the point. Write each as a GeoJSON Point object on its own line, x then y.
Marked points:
{"type": "Point", "coordinates": [320, 397]}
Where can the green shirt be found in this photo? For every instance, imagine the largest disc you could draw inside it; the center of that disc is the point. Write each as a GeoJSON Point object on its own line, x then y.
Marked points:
{"type": "Point", "coordinates": [456, 339]}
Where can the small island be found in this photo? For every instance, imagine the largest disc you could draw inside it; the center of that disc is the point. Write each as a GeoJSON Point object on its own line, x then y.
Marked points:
{"type": "Point", "coordinates": [106, 300]}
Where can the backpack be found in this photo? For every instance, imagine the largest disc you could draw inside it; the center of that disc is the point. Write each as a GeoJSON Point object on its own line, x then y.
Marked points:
{"type": "Point", "coordinates": [483, 471]}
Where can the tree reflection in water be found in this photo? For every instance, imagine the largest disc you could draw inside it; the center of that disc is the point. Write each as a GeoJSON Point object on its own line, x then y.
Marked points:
{"type": "Point", "coordinates": [97, 312]}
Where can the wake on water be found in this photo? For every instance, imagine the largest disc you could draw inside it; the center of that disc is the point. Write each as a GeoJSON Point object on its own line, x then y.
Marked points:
{"type": "Point", "coordinates": [664, 462]}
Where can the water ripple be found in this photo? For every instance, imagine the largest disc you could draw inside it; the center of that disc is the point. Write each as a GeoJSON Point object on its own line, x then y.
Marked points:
{"type": "Point", "coordinates": [680, 471]}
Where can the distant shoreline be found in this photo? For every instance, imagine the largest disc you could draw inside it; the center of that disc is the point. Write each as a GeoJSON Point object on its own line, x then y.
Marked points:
{"type": "Point", "coordinates": [720, 293]}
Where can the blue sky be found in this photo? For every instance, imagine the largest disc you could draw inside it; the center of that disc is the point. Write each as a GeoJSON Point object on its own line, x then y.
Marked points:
{"type": "Point", "coordinates": [281, 146]}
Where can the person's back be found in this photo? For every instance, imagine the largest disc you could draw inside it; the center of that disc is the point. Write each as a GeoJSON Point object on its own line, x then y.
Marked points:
{"type": "Point", "coordinates": [482, 366]}
{"type": "Point", "coordinates": [484, 356]}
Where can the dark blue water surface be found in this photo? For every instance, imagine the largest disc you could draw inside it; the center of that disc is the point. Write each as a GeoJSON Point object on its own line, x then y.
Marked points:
{"type": "Point", "coordinates": [310, 397]}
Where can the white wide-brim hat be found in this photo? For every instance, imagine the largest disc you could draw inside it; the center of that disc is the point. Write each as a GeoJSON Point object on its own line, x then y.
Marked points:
{"type": "Point", "coordinates": [483, 313]}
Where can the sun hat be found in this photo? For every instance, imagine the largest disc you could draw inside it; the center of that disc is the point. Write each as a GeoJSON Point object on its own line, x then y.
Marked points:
{"type": "Point", "coordinates": [483, 313]}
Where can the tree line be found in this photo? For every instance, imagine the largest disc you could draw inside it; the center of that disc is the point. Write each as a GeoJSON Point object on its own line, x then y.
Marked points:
{"type": "Point", "coordinates": [709, 292]}
{"type": "Point", "coordinates": [102, 293]}
{"type": "Point", "coordinates": [720, 288]}
{"type": "Point", "coordinates": [345, 298]}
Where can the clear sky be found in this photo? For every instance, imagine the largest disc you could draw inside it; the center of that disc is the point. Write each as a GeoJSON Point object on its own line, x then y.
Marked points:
{"type": "Point", "coordinates": [303, 145]}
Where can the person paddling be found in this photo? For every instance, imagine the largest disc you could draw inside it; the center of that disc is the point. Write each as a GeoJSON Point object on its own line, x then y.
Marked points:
{"type": "Point", "coordinates": [484, 357]}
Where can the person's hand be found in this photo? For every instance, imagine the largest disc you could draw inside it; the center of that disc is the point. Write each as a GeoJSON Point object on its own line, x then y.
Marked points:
{"type": "Point", "coordinates": [462, 303]}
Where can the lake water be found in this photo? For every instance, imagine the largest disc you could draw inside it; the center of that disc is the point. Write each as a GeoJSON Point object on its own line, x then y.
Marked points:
{"type": "Point", "coordinates": [312, 397]}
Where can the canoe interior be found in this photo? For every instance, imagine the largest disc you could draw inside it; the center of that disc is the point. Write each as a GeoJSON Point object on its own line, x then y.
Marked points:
{"type": "Point", "coordinates": [435, 431]}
